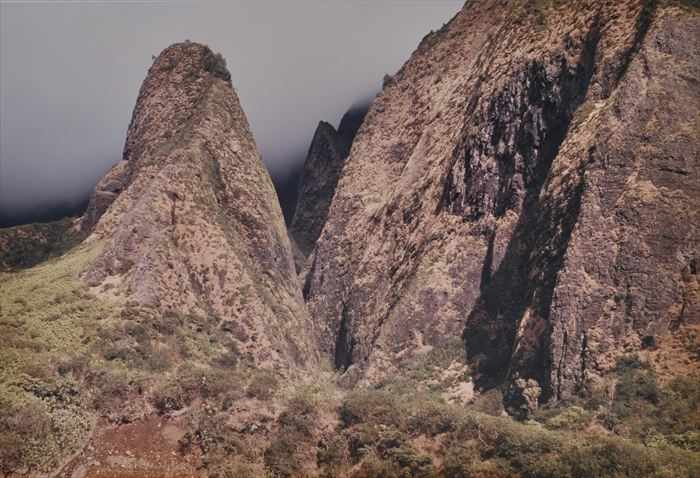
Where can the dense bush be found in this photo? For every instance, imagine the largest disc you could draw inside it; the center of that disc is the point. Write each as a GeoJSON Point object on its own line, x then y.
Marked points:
{"type": "Point", "coordinates": [375, 466]}
{"type": "Point", "coordinates": [332, 452]}
{"type": "Point", "coordinates": [281, 456]}
{"type": "Point", "coordinates": [189, 383]}
{"type": "Point", "coordinates": [569, 418]}
{"type": "Point", "coordinates": [431, 417]}
{"type": "Point", "coordinates": [373, 406]}
{"type": "Point", "coordinates": [636, 382]}
{"type": "Point", "coordinates": [111, 389]}
{"type": "Point", "coordinates": [410, 463]}
{"type": "Point", "coordinates": [295, 429]}
{"type": "Point", "coordinates": [642, 409]}
{"type": "Point", "coordinates": [22, 427]}
{"type": "Point", "coordinates": [459, 458]}
{"type": "Point", "coordinates": [214, 438]}
{"type": "Point", "coordinates": [134, 344]}
{"type": "Point", "coordinates": [489, 402]}
{"type": "Point", "coordinates": [381, 429]}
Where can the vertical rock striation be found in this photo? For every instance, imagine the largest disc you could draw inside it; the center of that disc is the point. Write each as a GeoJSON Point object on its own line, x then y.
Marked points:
{"type": "Point", "coordinates": [189, 220]}
{"type": "Point", "coordinates": [527, 181]}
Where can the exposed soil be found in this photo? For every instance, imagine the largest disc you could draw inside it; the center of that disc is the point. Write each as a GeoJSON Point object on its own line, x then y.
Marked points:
{"type": "Point", "coordinates": [134, 450]}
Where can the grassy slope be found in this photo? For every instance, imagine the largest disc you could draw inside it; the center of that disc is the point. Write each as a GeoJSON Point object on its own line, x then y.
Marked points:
{"type": "Point", "coordinates": [45, 315]}
{"type": "Point", "coordinates": [69, 359]}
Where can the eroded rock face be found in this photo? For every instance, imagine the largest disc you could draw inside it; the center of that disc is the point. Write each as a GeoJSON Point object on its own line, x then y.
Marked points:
{"type": "Point", "coordinates": [106, 191]}
{"type": "Point", "coordinates": [529, 181]}
{"type": "Point", "coordinates": [322, 168]}
{"type": "Point", "coordinates": [189, 219]}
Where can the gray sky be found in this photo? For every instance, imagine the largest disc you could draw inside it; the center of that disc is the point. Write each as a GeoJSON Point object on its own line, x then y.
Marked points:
{"type": "Point", "coordinates": [70, 73]}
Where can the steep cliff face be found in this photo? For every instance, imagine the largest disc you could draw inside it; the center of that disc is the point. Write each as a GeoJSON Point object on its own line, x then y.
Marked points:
{"type": "Point", "coordinates": [322, 168]}
{"type": "Point", "coordinates": [190, 220]}
{"type": "Point", "coordinates": [527, 181]}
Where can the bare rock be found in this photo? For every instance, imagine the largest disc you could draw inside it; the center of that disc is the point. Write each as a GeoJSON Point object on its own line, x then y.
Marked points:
{"type": "Point", "coordinates": [322, 168]}
{"type": "Point", "coordinates": [189, 220]}
{"type": "Point", "coordinates": [106, 191]}
{"type": "Point", "coordinates": [524, 397]}
{"type": "Point", "coordinates": [528, 181]}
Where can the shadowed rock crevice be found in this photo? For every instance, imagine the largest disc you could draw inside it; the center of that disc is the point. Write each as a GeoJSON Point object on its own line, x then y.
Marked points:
{"type": "Point", "coordinates": [643, 23]}
{"type": "Point", "coordinates": [520, 291]}
{"type": "Point", "coordinates": [344, 343]}
{"type": "Point", "coordinates": [524, 125]}
{"type": "Point", "coordinates": [513, 317]}
{"type": "Point", "coordinates": [487, 269]}
{"type": "Point", "coordinates": [306, 289]}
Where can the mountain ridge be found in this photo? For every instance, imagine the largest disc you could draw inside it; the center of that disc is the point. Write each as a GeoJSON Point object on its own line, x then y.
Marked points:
{"type": "Point", "coordinates": [496, 271]}
{"type": "Point", "coordinates": [494, 182]}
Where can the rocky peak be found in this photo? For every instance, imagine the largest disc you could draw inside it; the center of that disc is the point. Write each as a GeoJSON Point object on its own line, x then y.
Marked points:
{"type": "Point", "coordinates": [351, 121]}
{"type": "Point", "coordinates": [189, 220]}
{"type": "Point", "coordinates": [322, 169]}
{"type": "Point", "coordinates": [169, 97]}
{"type": "Point", "coordinates": [502, 188]}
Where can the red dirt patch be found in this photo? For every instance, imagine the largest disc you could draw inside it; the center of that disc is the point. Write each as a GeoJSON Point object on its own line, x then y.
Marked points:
{"type": "Point", "coordinates": [144, 449]}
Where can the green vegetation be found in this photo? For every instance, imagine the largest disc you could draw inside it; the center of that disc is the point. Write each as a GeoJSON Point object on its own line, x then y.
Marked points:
{"type": "Point", "coordinates": [643, 410]}
{"type": "Point", "coordinates": [475, 444]}
{"type": "Point", "coordinates": [403, 428]}
{"type": "Point", "coordinates": [430, 367]}
{"type": "Point", "coordinates": [46, 318]}
{"type": "Point", "coordinates": [37, 423]}
{"type": "Point", "coordinates": [219, 387]}
{"type": "Point", "coordinates": [34, 243]}
{"type": "Point", "coordinates": [296, 428]}
{"type": "Point", "coordinates": [45, 314]}
{"type": "Point", "coordinates": [69, 357]}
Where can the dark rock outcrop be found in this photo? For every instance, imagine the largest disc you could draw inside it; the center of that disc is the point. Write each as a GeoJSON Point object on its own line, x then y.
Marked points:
{"type": "Point", "coordinates": [528, 181]}
{"type": "Point", "coordinates": [322, 168]}
{"type": "Point", "coordinates": [351, 122]}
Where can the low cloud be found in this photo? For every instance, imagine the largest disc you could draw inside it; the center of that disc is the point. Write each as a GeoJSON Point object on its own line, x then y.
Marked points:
{"type": "Point", "coordinates": [70, 74]}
